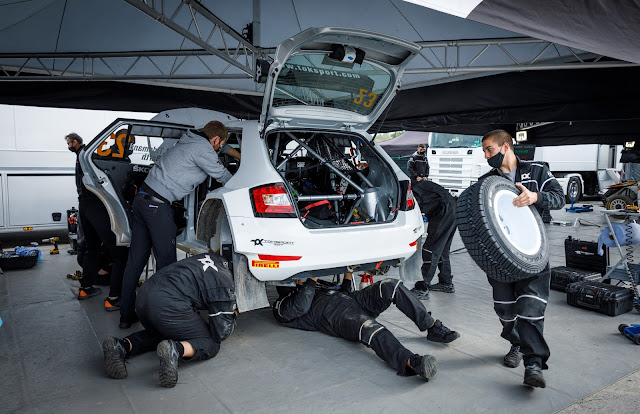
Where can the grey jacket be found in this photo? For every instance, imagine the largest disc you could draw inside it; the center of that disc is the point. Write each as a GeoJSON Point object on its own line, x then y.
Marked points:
{"type": "Point", "coordinates": [184, 166]}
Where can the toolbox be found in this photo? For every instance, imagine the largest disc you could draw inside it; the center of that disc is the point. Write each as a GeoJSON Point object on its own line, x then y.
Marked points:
{"type": "Point", "coordinates": [600, 297]}
{"type": "Point", "coordinates": [580, 254]}
{"type": "Point", "coordinates": [562, 276]}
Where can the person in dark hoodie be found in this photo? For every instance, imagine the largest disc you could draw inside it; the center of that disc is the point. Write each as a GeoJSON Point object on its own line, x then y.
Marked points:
{"type": "Point", "coordinates": [418, 166]}
{"type": "Point", "coordinates": [309, 307]}
{"type": "Point", "coordinates": [96, 227]}
{"type": "Point", "coordinates": [439, 207]}
{"type": "Point", "coordinates": [174, 175]}
{"type": "Point", "coordinates": [167, 306]}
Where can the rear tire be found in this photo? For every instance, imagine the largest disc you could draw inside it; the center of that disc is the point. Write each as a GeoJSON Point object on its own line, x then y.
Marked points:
{"type": "Point", "coordinates": [618, 202]}
{"type": "Point", "coordinates": [507, 242]}
{"type": "Point", "coordinates": [636, 339]}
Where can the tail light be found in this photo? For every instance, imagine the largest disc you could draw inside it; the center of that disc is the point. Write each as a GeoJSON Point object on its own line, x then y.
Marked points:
{"type": "Point", "coordinates": [409, 201]}
{"type": "Point", "coordinates": [271, 200]}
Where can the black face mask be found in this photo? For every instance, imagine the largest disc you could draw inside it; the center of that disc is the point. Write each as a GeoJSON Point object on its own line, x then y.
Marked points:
{"type": "Point", "coordinates": [496, 160]}
{"type": "Point", "coordinates": [72, 149]}
{"type": "Point", "coordinates": [421, 152]}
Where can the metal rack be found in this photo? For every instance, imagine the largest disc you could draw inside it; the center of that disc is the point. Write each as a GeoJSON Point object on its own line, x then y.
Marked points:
{"type": "Point", "coordinates": [623, 263]}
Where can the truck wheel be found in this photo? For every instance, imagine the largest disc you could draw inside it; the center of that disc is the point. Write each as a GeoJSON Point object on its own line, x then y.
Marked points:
{"type": "Point", "coordinates": [636, 339]}
{"type": "Point", "coordinates": [508, 243]}
{"type": "Point", "coordinates": [618, 202]}
{"type": "Point", "coordinates": [574, 187]}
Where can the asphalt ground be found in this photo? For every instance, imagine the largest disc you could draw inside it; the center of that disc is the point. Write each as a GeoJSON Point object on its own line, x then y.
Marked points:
{"type": "Point", "coordinates": [51, 358]}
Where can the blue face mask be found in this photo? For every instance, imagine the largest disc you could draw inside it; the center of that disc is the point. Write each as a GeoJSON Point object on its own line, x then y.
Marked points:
{"type": "Point", "coordinates": [496, 160]}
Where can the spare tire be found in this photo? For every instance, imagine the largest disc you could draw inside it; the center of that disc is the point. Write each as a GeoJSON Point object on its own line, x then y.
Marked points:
{"type": "Point", "coordinates": [508, 243]}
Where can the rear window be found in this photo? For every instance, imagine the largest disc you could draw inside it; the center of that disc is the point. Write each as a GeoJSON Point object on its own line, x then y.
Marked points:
{"type": "Point", "coordinates": [313, 79]}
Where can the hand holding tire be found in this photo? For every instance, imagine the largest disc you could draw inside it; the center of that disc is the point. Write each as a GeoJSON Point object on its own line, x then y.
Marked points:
{"type": "Point", "coordinates": [526, 198]}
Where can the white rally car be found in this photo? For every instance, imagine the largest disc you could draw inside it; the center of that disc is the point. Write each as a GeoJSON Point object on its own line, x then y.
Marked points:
{"type": "Point", "coordinates": [313, 194]}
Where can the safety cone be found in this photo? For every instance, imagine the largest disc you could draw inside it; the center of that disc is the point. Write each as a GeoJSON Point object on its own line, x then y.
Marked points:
{"type": "Point", "coordinates": [366, 280]}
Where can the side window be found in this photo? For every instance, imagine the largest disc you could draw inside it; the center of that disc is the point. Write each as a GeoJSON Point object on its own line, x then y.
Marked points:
{"type": "Point", "coordinates": [128, 157]}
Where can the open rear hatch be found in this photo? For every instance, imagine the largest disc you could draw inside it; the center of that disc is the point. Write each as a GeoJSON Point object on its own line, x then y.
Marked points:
{"type": "Point", "coordinates": [326, 87]}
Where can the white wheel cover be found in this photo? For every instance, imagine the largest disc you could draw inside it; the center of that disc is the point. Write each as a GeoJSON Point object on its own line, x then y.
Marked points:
{"type": "Point", "coordinates": [518, 224]}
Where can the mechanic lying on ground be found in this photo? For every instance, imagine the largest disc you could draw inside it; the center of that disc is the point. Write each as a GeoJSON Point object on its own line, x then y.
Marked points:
{"type": "Point", "coordinates": [309, 307]}
{"type": "Point", "coordinates": [439, 207]}
{"type": "Point", "coordinates": [521, 305]}
{"type": "Point", "coordinates": [183, 167]}
{"type": "Point", "coordinates": [166, 306]}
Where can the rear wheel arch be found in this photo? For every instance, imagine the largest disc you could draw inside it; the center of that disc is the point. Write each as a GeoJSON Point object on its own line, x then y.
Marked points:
{"type": "Point", "coordinates": [213, 224]}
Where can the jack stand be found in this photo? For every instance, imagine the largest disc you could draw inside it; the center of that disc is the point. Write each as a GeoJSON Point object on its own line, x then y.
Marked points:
{"type": "Point", "coordinates": [575, 209]}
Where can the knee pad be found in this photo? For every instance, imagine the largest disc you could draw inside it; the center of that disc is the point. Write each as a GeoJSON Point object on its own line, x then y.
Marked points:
{"type": "Point", "coordinates": [388, 288]}
{"type": "Point", "coordinates": [368, 330]}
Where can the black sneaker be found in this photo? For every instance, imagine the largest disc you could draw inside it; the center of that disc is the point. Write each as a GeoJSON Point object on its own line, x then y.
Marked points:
{"type": "Point", "coordinates": [421, 290]}
{"type": "Point", "coordinates": [441, 287]}
{"type": "Point", "coordinates": [114, 355]}
{"type": "Point", "coordinates": [425, 366]}
{"type": "Point", "coordinates": [168, 354]}
{"type": "Point", "coordinates": [86, 293]}
{"type": "Point", "coordinates": [533, 375]}
{"type": "Point", "coordinates": [513, 358]}
{"type": "Point", "coordinates": [440, 333]}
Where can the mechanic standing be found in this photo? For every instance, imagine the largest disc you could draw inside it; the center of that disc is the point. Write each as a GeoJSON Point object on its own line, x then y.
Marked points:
{"type": "Point", "coordinates": [96, 227]}
{"type": "Point", "coordinates": [521, 305]}
{"type": "Point", "coordinates": [418, 165]}
{"type": "Point", "coordinates": [167, 306]}
{"type": "Point", "coordinates": [177, 173]}
{"type": "Point", "coordinates": [352, 316]}
{"type": "Point", "coordinates": [439, 207]}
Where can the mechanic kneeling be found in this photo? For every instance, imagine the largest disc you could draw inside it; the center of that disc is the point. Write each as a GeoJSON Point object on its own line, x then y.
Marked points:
{"type": "Point", "coordinates": [167, 306]}
{"type": "Point", "coordinates": [309, 307]}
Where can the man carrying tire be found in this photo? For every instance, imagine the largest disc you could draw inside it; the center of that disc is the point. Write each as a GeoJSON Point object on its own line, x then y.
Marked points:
{"type": "Point", "coordinates": [521, 305]}
{"type": "Point", "coordinates": [439, 207]}
{"type": "Point", "coordinates": [167, 306]}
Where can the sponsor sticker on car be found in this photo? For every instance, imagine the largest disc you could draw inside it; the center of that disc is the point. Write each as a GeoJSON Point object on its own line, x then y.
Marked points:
{"type": "Point", "coordinates": [267, 264]}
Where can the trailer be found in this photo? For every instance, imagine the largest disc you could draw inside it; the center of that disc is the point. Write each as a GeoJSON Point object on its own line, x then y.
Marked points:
{"type": "Point", "coordinates": [457, 161]}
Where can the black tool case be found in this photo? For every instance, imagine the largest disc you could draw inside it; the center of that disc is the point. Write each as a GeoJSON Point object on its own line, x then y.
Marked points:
{"type": "Point", "coordinates": [600, 297]}
{"type": "Point", "coordinates": [580, 254]}
{"type": "Point", "coordinates": [562, 276]}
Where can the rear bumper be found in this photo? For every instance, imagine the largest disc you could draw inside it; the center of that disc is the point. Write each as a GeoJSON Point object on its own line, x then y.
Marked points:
{"type": "Point", "coordinates": [281, 248]}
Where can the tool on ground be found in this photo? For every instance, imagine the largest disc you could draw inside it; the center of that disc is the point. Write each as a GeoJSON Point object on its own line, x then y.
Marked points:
{"type": "Point", "coordinates": [575, 209]}
{"type": "Point", "coordinates": [75, 276]}
{"type": "Point", "coordinates": [54, 241]}
{"type": "Point", "coordinates": [631, 331]}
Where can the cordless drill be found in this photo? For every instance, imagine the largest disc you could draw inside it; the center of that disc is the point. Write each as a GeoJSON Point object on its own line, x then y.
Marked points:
{"type": "Point", "coordinates": [54, 241]}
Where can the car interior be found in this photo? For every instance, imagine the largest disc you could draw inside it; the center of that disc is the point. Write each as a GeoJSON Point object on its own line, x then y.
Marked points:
{"type": "Point", "coordinates": [335, 179]}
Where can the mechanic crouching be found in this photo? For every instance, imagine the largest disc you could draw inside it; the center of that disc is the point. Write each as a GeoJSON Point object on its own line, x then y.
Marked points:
{"type": "Point", "coordinates": [167, 306]}
{"type": "Point", "coordinates": [311, 308]}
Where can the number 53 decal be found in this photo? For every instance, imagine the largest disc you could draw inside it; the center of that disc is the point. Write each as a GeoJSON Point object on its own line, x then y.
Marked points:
{"type": "Point", "coordinates": [366, 99]}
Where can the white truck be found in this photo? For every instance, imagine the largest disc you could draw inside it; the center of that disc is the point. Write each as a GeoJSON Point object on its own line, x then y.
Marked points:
{"type": "Point", "coordinates": [37, 184]}
{"type": "Point", "coordinates": [456, 161]}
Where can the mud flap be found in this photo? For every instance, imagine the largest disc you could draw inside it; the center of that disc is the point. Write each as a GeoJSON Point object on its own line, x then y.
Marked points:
{"type": "Point", "coordinates": [410, 269]}
{"type": "Point", "coordinates": [250, 292]}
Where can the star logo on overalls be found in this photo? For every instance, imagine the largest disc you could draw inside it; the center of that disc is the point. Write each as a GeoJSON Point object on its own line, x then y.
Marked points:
{"type": "Point", "coordinates": [207, 263]}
